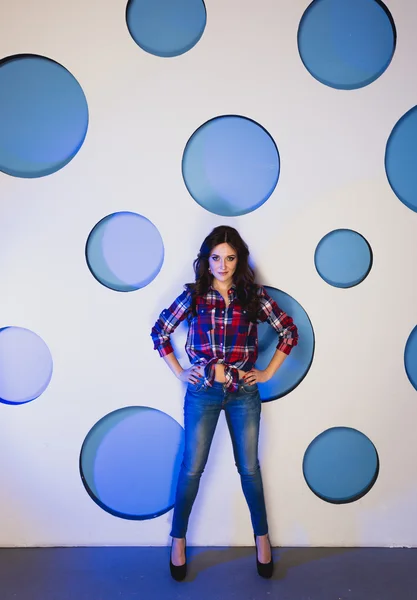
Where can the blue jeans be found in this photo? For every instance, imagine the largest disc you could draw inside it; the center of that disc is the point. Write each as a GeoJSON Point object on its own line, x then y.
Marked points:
{"type": "Point", "coordinates": [202, 408]}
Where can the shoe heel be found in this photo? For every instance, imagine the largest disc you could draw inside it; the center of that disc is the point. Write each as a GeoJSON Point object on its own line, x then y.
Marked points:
{"type": "Point", "coordinates": [264, 569]}
{"type": "Point", "coordinates": [178, 572]}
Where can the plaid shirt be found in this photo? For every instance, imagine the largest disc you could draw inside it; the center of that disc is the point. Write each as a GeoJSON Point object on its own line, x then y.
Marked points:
{"type": "Point", "coordinates": [222, 335]}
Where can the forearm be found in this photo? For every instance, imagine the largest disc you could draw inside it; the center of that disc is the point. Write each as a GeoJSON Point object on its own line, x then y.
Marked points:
{"type": "Point", "coordinates": [276, 362]}
{"type": "Point", "coordinates": [173, 364]}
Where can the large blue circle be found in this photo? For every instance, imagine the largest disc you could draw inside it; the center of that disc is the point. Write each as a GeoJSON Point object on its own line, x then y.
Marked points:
{"type": "Point", "coordinates": [341, 465]}
{"type": "Point", "coordinates": [43, 116]}
{"type": "Point", "coordinates": [346, 44]}
{"type": "Point", "coordinates": [401, 159]}
{"type": "Point", "coordinates": [410, 358]}
{"type": "Point", "coordinates": [166, 27]}
{"type": "Point", "coordinates": [125, 251]}
{"type": "Point", "coordinates": [230, 165]}
{"type": "Point", "coordinates": [343, 258]}
{"type": "Point", "coordinates": [297, 365]}
{"type": "Point", "coordinates": [130, 461]}
{"type": "Point", "coordinates": [25, 365]}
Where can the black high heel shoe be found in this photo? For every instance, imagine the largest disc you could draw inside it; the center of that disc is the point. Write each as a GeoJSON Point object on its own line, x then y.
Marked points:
{"type": "Point", "coordinates": [264, 569]}
{"type": "Point", "coordinates": [178, 573]}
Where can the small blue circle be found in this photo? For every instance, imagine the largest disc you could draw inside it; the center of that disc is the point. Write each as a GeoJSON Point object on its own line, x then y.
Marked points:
{"type": "Point", "coordinates": [166, 27]}
{"type": "Point", "coordinates": [43, 116]}
{"type": "Point", "coordinates": [130, 461]}
{"type": "Point", "coordinates": [343, 258]}
{"type": "Point", "coordinates": [401, 159]}
{"type": "Point", "coordinates": [25, 365]}
{"type": "Point", "coordinates": [296, 366]}
{"type": "Point", "coordinates": [341, 465]}
{"type": "Point", "coordinates": [346, 45]}
{"type": "Point", "coordinates": [125, 251]}
{"type": "Point", "coordinates": [230, 165]}
{"type": "Point", "coordinates": [410, 358]}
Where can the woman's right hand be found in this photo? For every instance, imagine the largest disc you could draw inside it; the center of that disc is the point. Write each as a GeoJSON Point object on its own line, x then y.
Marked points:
{"type": "Point", "coordinates": [192, 375]}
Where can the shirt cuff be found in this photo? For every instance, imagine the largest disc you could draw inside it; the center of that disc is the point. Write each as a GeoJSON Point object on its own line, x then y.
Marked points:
{"type": "Point", "coordinates": [284, 347]}
{"type": "Point", "coordinates": [165, 350]}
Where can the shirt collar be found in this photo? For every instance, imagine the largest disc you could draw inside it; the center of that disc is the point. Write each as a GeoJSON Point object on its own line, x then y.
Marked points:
{"type": "Point", "coordinates": [232, 287]}
{"type": "Point", "coordinates": [231, 291]}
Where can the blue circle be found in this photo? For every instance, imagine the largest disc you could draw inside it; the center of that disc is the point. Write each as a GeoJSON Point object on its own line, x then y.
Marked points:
{"type": "Point", "coordinates": [43, 116]}
{"type": "Point", "coordinates": [401, 159]}
{"type": "Point", "coordinates": [410, 358]}
{"type": "Point", "coordinates": [125, 251]}
{"type": "Point", "coordinates": [341, 465]}
{"type": "Point", "coordinates": [25, 365]}
{"type": "Point", "coordinates": [343, 258]}
{"type": "Point", "coordinates": [166, 27]}
{"type": "Point", "coordinates": [230, 165]}
{"type": "Point", "coordinates": [346, 45]}
{"type": "Point", "coordinates": [296, 366]}
{"type": "Point", "coordinates": [130, 461]}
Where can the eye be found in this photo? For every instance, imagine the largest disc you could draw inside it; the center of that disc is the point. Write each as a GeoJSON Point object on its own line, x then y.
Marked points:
{"type": "Point", "coordinates": [231, 258]}
{"type": "Point", "coordinates": [214, 257]}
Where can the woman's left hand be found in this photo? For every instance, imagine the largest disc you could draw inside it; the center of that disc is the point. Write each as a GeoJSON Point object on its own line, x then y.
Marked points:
{"type": "Point", "coordinates": [256, 376]}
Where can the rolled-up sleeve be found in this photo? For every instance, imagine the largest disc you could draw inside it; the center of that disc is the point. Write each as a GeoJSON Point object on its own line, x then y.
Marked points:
{"type": "Point", "coordinates": [168, 321]}
{"type": "Point", "coordinates": [282, 323]}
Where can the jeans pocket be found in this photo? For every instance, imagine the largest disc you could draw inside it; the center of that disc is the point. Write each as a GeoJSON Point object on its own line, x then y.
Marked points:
{"type": "Point", "coordinates": [195, 387]}
{"type": "Point", "coordinates": [249, 388]}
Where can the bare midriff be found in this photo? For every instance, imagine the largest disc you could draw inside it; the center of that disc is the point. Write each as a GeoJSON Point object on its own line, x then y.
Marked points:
{"type": "Point", "coordinates": [219, 373]}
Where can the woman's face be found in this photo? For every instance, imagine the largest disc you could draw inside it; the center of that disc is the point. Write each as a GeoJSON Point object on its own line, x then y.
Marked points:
{"type": "Point", "coordinates": [223, 263]}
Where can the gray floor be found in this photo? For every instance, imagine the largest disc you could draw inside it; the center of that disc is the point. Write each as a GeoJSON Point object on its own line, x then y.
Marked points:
{"type": "Point", "coordinates": [214, 574]}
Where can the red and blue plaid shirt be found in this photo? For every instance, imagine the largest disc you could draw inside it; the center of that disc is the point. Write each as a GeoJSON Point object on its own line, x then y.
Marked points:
{"type": "Point", "coordinates": [220, 334]}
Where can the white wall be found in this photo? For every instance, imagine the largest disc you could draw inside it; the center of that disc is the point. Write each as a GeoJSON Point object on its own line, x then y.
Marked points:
{"type": "Point", "coordinates": [143, 110]}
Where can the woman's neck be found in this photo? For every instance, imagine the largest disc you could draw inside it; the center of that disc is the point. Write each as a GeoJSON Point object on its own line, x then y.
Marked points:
{"type": "Point", "coordinates": [223, 288]}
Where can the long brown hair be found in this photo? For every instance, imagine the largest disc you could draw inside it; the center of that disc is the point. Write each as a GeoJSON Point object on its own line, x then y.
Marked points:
{"type": "Point", "coordinates": [243, 278]}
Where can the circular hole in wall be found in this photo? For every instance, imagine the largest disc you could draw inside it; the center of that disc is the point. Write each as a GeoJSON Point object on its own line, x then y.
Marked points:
{"type": "Point", "coordinates": [346, 45]}
{"type": "Point", "coordinates": [401, 159]}
{"type": "Point", "coordinates": [125, 251]}
{"type": "Point", "coordinates": [25, 365]}
{"type": "Point", "coordinates": [343, 258]}
{"type": "Point", "coordinates": [166, 27]}
{"type": "Point", "coordinates": [130, 462]}
{"type": "Point", "coordinates": [341, 465]}
{"type": "Point", "coordinates": [296, 366]}
{"type": "Point", "coordinates": [410, 358]}
{"type": "Point", "coordinates": [231, 165]}
{"type": "Point", "coordinates": [43, 116]}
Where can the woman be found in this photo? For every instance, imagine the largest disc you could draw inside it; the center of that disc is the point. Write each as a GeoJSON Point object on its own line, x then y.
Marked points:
{"type": "Point", "coordinates": [222, 307]}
